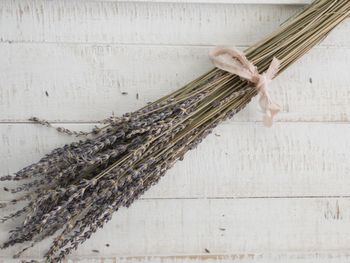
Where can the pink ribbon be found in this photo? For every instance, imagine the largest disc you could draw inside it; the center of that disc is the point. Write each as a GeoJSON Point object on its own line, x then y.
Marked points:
{"type": "Point", "coordinates": [239, 65]}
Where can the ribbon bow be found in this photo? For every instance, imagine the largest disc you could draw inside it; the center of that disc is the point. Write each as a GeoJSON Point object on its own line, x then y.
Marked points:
{"type": "Point", "coordinates": [239, 65]}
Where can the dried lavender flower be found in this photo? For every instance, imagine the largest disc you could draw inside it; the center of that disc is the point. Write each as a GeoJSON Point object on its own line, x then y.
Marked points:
{"type": "Point", "coordinates": [74, 190]}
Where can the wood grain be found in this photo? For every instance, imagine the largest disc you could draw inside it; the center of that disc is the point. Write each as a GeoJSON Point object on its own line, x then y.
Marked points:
{"type": "Point", "coordinates": [222, 226]}
{"type": "Point", "coordinates": [143, 23]}
{"type": "Point", "coordinates": [86, 82]}
{"type": "Point", "coordinates": [242, 160]}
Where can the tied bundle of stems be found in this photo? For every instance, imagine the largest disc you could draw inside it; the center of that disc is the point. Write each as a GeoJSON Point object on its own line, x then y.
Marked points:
{"type": "Point", "coordinates": [74, 190]}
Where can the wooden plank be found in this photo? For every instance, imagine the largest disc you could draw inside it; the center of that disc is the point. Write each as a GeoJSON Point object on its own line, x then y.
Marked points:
{"type": "Point", "coordinates": [88, 82]}
{"type": "Point", "coordinates": [223, 227]}
{"type": "Point", "coordinates": [237, 161]}
{"type": "Point", "coordinates": [143, 22]}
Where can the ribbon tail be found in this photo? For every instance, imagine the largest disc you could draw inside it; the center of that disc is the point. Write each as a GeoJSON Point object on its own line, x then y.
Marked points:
{"type": "Point", "coordinates": [270, 113]}
{"type": "Point", "coordinates": [269, 108]}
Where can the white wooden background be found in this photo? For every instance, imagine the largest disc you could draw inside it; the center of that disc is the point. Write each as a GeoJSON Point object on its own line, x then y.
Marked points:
{"type": "Point", "coordinates": [247, 194]}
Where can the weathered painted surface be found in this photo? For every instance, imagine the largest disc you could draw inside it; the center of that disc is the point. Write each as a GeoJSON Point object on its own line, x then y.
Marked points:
{"type": "Point", "coordinates": [247, 193]}
{"type": "Point", "coordinates": [239, 160]}
{"type": "Point", "coordinates": [87, 82]}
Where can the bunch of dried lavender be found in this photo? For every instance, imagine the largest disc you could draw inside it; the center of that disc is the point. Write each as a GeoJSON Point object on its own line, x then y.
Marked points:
{"type": "Point", "coordinates": [75, 189]}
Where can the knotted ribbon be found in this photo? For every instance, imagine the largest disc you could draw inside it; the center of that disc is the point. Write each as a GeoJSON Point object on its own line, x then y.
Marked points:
{"type": "Point", "coordinates": [239, 65]}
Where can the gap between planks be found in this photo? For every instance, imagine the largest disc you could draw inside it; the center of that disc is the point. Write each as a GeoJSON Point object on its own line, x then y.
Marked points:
{"type": "Point", "coordinates": [235, 198]}
{"type": "Point", "coordinates": [229, 122]}
{"type": "Point", "coordinates": [324, 257]}
{"type": "Point", "coordinates": [260, 2]}
{"type": "Point", "coordinates": [321, 45]}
